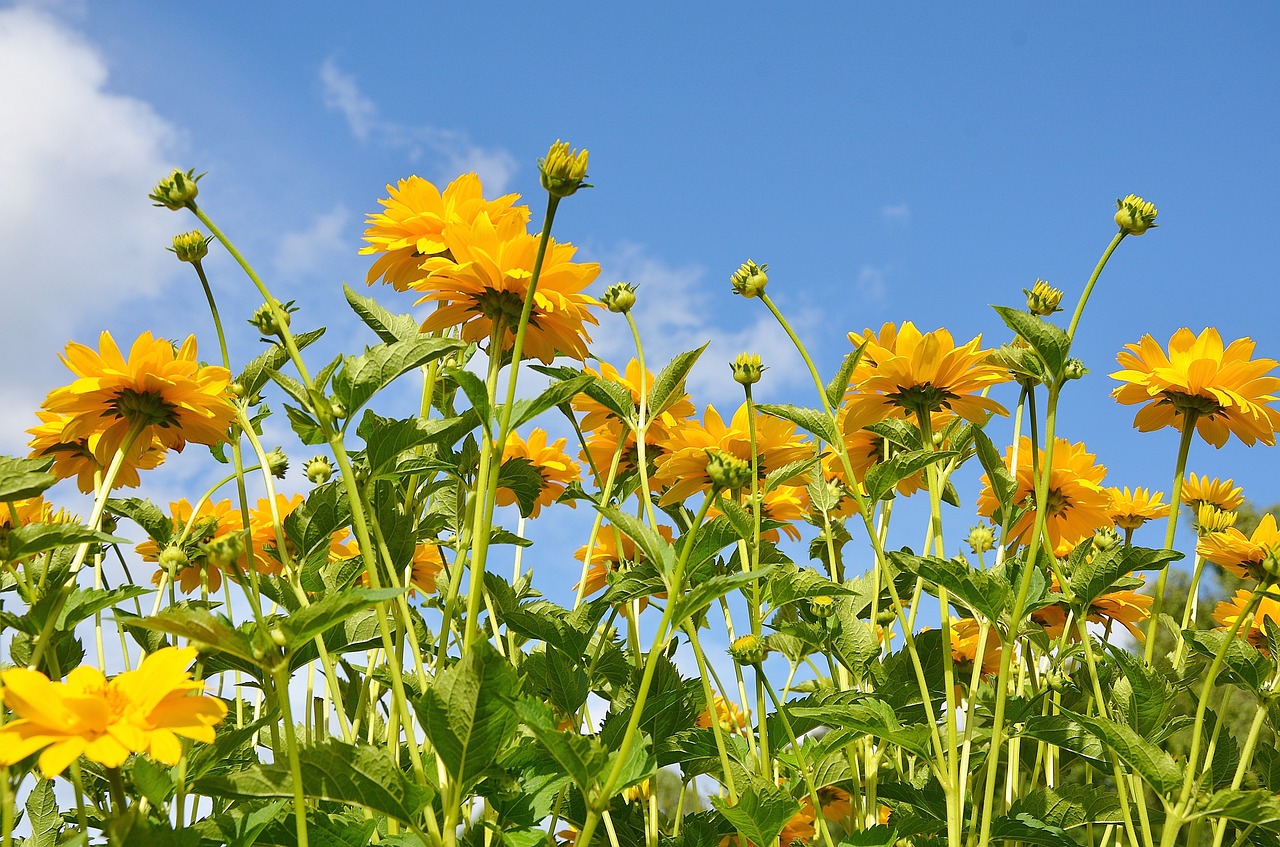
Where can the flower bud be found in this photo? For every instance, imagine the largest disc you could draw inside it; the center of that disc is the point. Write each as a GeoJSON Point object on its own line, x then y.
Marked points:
{"type": "Point", "coordinates": [191, 246]}
{"type": "Point", "coordinates": [177, 190]}
{"type": "Point", "coordinates": [236, 389]}
{"type": "Point", "coordinates": [1209, 518]}
{"type": "Point", "coordinates": [264, 318]}
{"type": "Point", "coordinates": [563, 170]}
{"type": "Point", "coordinates": [173, 559]}
{"type": "Point", "coordinates": [339, 411]}
{"type": "Point", "coordinates": [748, 650]}
{"type": "Point", "coordinates": [109, 523]}
{"type": "Point", "coordinates": [1074, 369]}
{"type": "Point", "coordinates": [1134, 215]}
{"type": "Point", "coordinates": [221, 552]}
{"type": "Point", "coordinates": [1106, 539]}
{"type": "Point", "coordinates": [1042, 298]}
{"type": "Point", "coordinates": [750, 279]}
{"type": "Point", "coordinates": [747, 368]}
{"type": "Point", "coordinates": [619, 297]}
{"type": "Point", "coordinates": [727, 471]}
{"type": "Point", "coordinates": [823, 606]}
{"type": "Point", "coordinates": [318, 470]}
{"type": "Point", "coordinates": [981, 538]}
{"type": "Point", "coordinates": [278, 638]}
{"type": "Point", "coordinates": [277, 463]}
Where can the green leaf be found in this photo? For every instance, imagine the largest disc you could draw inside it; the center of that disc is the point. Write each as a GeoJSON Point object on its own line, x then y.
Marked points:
{"type": "Point", "coordinates": [668, 385]}
{"type": "Point", "coordinates": [208, 631]}
{"type": "Point", "coordinates": [521, 478]}
{"type": "Point", "coordinates": [1070, 806]}
{"type": "Point", "coordinates": [363, 376]}
{"type": "Point", "coordinates": [1153, 764]}
{"type": "Point", "coordinates": [331, 770]}
{"type": "Point", "coordinates": [985, 592]}
{"type": "Point", "coordinates": [761, 813]}
{"type": "Point", "coordinates": [145, 514]}
{"type": "Point", "coordinates": [330, 611]}
{"type": "Point", "coordinates": [998, 474]}
{"type": "Point", "coordinates": [523, 411]}
{"type": "Point", "coordinates": [473, 387]}
{"type": "Point", "coordinates": [810, 420]}
{"type": "Point", "coordinates": [854, 645]}
{"type": "Point", "coordinates": [1095, 577]}
{"type": "Point", "coordinates": [1050, 341]}
{"type": "Point", "coordinates": [883, 476]}
{"type": "Point", "coordinates": [1027, 829]}
{"type": "Point", "coordinates": [43, 818]}
{"type": "Point", "coordinates": [257, 372]}
{"type": "Point", "coordinates": [465, 713]}
{"type": "Point", "coordinates": [1244, 663]}
{"type": "Point", "coordinates": [23, 478]}
{"type": "Point", "coordinates": [1260, 808]}
{"type": "Point", "coordinates": [388, 327]}
{"type": "Point", "coordinates": [567, 681]}
{"type": "Point", "coordinates": [1067, 733]}
{"type": "Point", "coordinates": [582, 758]}
{"type": "Point", "coordinates": [863, 714]}
{"type": "Point", "coordinates": [700, 596]}
{"type": "Point", "coordinates": [325, 510]}
{"type": "Point", "coordinates": [304, 425]}
{"type": "Point", "coordinates": [787, 585]}
{"type": "Point", "coordinates": [32, 538]}
{"type": "Point", "coordinates": [840, 382]}
{"type": "Point", "coordinates": [386, 439]}
{"type": "Point", "coordinates": [154, 781]}
{"type": "Point", "coordinates": [85, 602]}
{"type": "Point", "coordinates": [656, 549]}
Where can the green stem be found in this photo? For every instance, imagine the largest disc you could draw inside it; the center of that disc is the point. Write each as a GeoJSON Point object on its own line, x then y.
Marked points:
{"type": "Point", "coordinates": [1184, 448]}
{"type": "Point", "coordinates": [797, 749]}
{"type": "Point", "coordinates": [1088, 288]}
{"type": "Point", "coordinates": [280, 679]}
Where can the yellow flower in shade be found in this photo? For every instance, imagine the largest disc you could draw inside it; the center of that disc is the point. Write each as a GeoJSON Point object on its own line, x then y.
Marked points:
{"type": "Point", "coordinates": [78, 458]}
{"type": "Point", "coordinates": [800, 827]}
{"type": "Point", "coordinates": [1198, 490]}
{"type": "Point", "coordinates": [1239, 555]}
{"type": "Point", "coordinates": [428, 562]}
{"type": "Point", "coordinates": [1131, 509]}
{"type": "Point", "coordinates": [411, 225]}
{"type": "Point", "coordinates": [34, 510]}
{"type": "Point", "coordinates": [909, 371]}
{"type": "Point", "coordinates": [213, 521]}
{"type": "Point", "coordinates": [597, 416]}
{"type": "Point", "coordinates": [1228, 391]}
{"type": "Point", "coordinates": [866, 449]}
{"type": "Point", "coordinates": [682, 472]}
{"type": "Point", "coordinates": [786, 503]}
{"type": "Point", "coordinates": [964, 646]}
{"type": "Point", "coordinates": [1228, 612]}
{"type": "Point", "coordinates": [487, 280]}
{"type": "Point", "coordinates": [140, 711]}
{"type": "Point", "coordinates": [1077, 503]}
{"type": "Point", "coordinates": [168, 391]}
{"type": "Point", "coordinates": [729, 717]}
{"type": "Point", "coordinates": [613, 550]}
{"type": "Point", "coordinates": [549, 460]}
{"type": "Point", "coordinates": [1127, 608]}
{"type": "Point", "coordinates": [836, 803]}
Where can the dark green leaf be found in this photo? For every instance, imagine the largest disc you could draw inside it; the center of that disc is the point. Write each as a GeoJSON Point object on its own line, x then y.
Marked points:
{"type": "Point", "coordinates": [700, 596]}
{"type": "Point", "coordinates": [32, 538]}
{"type": "Point", "coordinates": [1062, 731]}
{"type": "Point", "coordinates": [1260, 808]}
{"type": "Point", "coordinates": [840, 382]}
{"type": "Point", "coordinates": [810, 420]}
{"type": "Point", "coordinates": [473, 387]}
{"type": "Point", "coordinates": [883, 476]}
{"type": "Point", "coordinates": [329, 611]}
{"type": "Point", "coordinates": [1244, 663]}
{"type": "Point", "coordinates": [1050, 341]}
{"type": "Point", "coordinates": [998, 474]}
{"type": "Point", "coordinates": [362, 376]}
{"type": "Point", "coordinates": [386, 439]}
{"type": "Point", "coordinates": [85, 602]}
{"type": "Point", "coordinates": [304, 425]}
{"type": "Point", "coordinates": [311, 524]}
{"type": "Point", "coordinates": [257, 372]}
{"type": "Point", "coordinates": [23, 478]}
{"type": "Point", "coordinates": [1070, 806]}
{"type": "Point", "coordinates": [1027, 829]}
{"type": "Point", "coordinates": [985, 592]}
{"type": "Point", "coordinates": [761, 812]}
{"type": "Point", "coordinates": [1095, 577]}
{"type": "Point", "coordinates": [668, 385]}
{"type": "Point", "coordinates": [553, 395]}
{"type": "Point", "coordinates": [388, 327]}
{"type": "Point", "coordinates": [145, 514]}
{"type": "Point", "coordinates": [521, 478]}
{"type": "Point", "coordinates": [581, 757]}
{"type": "Point", "coordinates": [1153, 764]}
{"type": "Point", "coordinates": [656, 549]}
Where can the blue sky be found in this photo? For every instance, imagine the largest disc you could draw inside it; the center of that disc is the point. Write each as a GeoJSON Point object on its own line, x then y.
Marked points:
{"type": "Point", "coordinates": [889, 161]}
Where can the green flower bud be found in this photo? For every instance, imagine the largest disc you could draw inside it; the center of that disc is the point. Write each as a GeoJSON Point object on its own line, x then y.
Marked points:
{"type": "Point", "coordinates": [277, 463]}
{"type": "Point", "coordinates": [727, 471]}
{"type": "Point", "coordinates": [1042, 298]}
{"type": "Point", "coordinates": [750, 279]}
{"type": "Point", "coordinates": [173, 560]}
{"type": "Point", "coordinates": [190, 246]}
{"type": "Point", "coordinates": [264, 318]}
{"type": "Point", "coordinates": [1134, 215]}
{"type": "Point", "coordinates": [563, 170]}
{"type": "Point", "coordinates": [319, 470]}
{"type": "Point", "coordinates": [177, 190]}
{"type": "Point", "coordinates": [748, 650]}
{"type": "Point", "coordinates": [823, 606]}
{"type": "Point", "coordinates": [1074, 369]}
{"type": "Point", "coordinates": [222, 552]}
{"type": "Point", "coordinates": [747, 368]}
{"type": "Point", "coordinates": [981, 538]}
{"type": "Point", "coordinates": [619, 297]}
{"type": "Point", "coordinates": [1106, 539]}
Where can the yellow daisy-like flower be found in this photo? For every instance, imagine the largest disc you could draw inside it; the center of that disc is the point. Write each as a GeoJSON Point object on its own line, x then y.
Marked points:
{"type": "Point", "coordinates": [597, 416]}
{"type": "Point", "coordinates": [140, 711]}
{"type": "Point", "coordinates": [837, 805]}
{"type": "Point", "coordinates": [487, 280]}
{"type": "Point", "coordinates": [411, 226]}
{"type": "Point", "coordinates": [612, 550]}
{"type": "Point", "coordinates": [1130, 509]}
{"type": "Point", "coordinates": [1226, 390]}
{"type": "Point", "coordinates": [1127, 608]}
{"type": "Point", "coordinates": [166, 391]}
{"type": "Point", "coordinates": [786, 503]}
{"type": "Point", "coordinates": [549, 460]}
{"type": "Point", "coordinates": [964, 647]}
{"type": "Point", "coordinates": [729, 717]}
{"type": "Point", "coordinates": [1228, 612]}
{"type": "Point", "coordinates": [866, 449]}
{"type": "Point", "coordinates": [213, 521]}
{"type": "Point", "coordinates": [904, 369]}
{"type": "Point", "coordinates": [78, 458]}
{"type": "Point", "coordinates": [34, 510]}
{"type": "Point", "coordinates": [1239, 555]}
{"type": "Point", "coordinates": [682, 472]}
{"type": "Point", "coordinates": [1199, 490]}
{"type": "Point", "coordinates": [1077, 502]}
{"type": "Point", "coordinates": [427, 564]}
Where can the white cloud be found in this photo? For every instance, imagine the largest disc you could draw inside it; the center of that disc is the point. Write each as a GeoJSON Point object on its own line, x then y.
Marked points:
{"type": "Point", "coordinates": [316, 248]}
{"type": "Point", "coordinates": [80, 235]}
{"type": "Point", "coordinates": [450, 152]}
{"type": "Point", "coordinates": [871, 284]}
{"type": "Point", "coordinates": [896, 213]}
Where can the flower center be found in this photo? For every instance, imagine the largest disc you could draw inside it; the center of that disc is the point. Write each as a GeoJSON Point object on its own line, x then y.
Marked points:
{"type": "Point", "coordinates": [145, 406]}
{"type": "Point", "coordinates": [1195, 404]}
{"type": "Point", "coordinates": [922, 398]}
{"type": "Point", "coordinates": [506, 306]}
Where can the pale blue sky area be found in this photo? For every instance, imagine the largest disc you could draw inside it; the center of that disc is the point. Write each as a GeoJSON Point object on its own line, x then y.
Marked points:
{"type": "Point", "coordinates": [889, 161]}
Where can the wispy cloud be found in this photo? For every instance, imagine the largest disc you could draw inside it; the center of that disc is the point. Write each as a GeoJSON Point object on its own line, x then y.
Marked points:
{"type": "Point", "coordinates": [451, 151]}
{"type": "Point", "coordinates": [871, 284]}
{"type": "Point", "coordinates": [896, 213]}
{"type": "Point", "coordinates": [316, 247]}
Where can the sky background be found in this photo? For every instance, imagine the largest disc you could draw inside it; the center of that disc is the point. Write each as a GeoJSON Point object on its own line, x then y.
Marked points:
{"type": "Point", "coordinates": [889, 161]}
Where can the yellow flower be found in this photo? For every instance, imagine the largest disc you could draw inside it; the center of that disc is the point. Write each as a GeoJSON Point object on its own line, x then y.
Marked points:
{"type": "Point", "coordinates": [1043, 298]}
{"type": "Point", "coordinates": [140, 711]}
{"type": "Point", "coordinates": [1225, 389]}
{"type": "Point", "coordinates": [34, 510]}
{"type": "Point", "coordinates": [837, 805]}
{"type": "Point", "coordinates": [427, 563]}
{"type": "Point", "coordinates": [1239, 555]}
{"type": "Point", "coordinates": [487, 280]}
{"type": "Point", "coordinates": [682, 472]}
{"type": "Point", "coordinates": [865, 449]}
{"type": "Point", "coordinates": [597, 416]}
{"type": "Point", "coordinates": [786, 503]}
{"type": "Point", "coordinates": [1131, 509]}
{"type": "Point", "coordinates": [1077, 502]}
{"type": "Point", "coordinates": [549, 460]}
{"type": "Point", "coordinates": [1228, 612]}
{"type": "Point", "coordinates": [213, 521]}
{"type": "Point", "coordinates": [1127, 608]}
{"type": "Point", "coordinates": [903, 369]}
{"type": "Point", "coordinates": [612, 550]}
{"type": "Point", "coordinates": [1134, 215]}
{"type": "Point", "coordinates": [1209, 518]}
{"type": "Point", "coordinates": [964, 646]}
{"type": "Point", "coordinates": [167, 391]}
{"type": "Point", "coordinates": [729, 716]}
{"type": "Point", "coordinates": [411, 226]}
{"type": "Point", "coordinates": [1196, 491]}
{"type": "Point", "coordinates": [78, 458]}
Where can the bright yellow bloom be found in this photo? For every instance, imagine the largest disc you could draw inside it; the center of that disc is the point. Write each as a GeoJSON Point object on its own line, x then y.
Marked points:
{"type": "Point", "coordinates": [1228, 612]}
{"type": "Point", "coordinates": [683, 471]}
{"type": "Point", "coordinates": [487, 279]}
{"type": "Point", "coordinates": [1127, 608]}
{"type": "Point", "coordinates": [904, 369]}
{"type": "Point", "coordinates": [1209, 518]}
{"type": "Point", "coordinates": [549, 460]}
{"type": "Point", "coordinates": [786, 503]}
{"type": "Point", "coordinates": [597, 416]}
{"type": "Point", "coordinates": [1077, 502]}
{"type": "Point", "coordinates": [1131, 509]}
{"type": "Point", "coordinates": [78, 458]}
{"type": "Point", "coordinates": [34, 510]}
{"type": "Point", "coordinates": [411, 226]}
{"type": "Point", "coordinates": [1196, 491]}
{"type": "Point", "coordinates": [140, 711]}
{"type": "Point", "coordinates": [612, 550]}
{"type": "Point", "coordinates": [213, 521]}
{"type": "Point", "coordinates": [866, 449]}
{"type": "Point", "coordinates": [563, 170]}
{"type": "Point", "coordinates": [729, 716]}
{"type": "Point", "coordinates": [168, 391]}
{"type": "Point", "coordinates": [1227, 390]}
{"type": "Point", "coordinates": [964, 647]}
{"type": "Point", "coordinates": [1239, 555]}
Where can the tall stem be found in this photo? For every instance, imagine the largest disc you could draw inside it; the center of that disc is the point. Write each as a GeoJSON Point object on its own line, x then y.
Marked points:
{"type": "Point", "coordinates": [1180, 469]}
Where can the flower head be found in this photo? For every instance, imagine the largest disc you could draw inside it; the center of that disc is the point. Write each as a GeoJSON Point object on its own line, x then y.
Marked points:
{"type": "Point", "coordinates": [140, 711]}
{"type": "Point", "coordinates": [619, 297]}
{"type": "Point", "coordinates": [1199, 490]}
{"type": "Point", "coordinates": [553, 465]}
{"type": "Point", "coordinates": [906, 372]}
{"type": "Point", "coordinates": [964, 646]}
{"type": "Point", "coordinates": [563, 170]}
{"type": "Point", "coordinates": [1077, 502]}
{"type": "Point", "coordinates": [1228, 612]}
{"type": "Point", "coordinates": [1134, 215]}
{"type": "Point", "coordinates": [1242, 556]}
{"type": "Point", "coordinates": [176, 191]}
{"type": "Point", "coordinates": [79, 458]}
{"type": "Point", "coordinates": [750, 279]}
{"type": "Point", "coordinates": [747, 368]}
{"type": "Point", "coordinates": [729, 716]}
{"type": "Point", "coordinates": [612, 551]}
{"type": "Point", "coordinates": [191, 246]}
{"type": "Point", "coordinates": [1131, 509]}
{"type": "Point", "coordinates": [1225, 390]}
{"type": "Point", "coordinates": [1043, 298]}
{"type": "Point", "coordinates": [1209, 518]}
{"type": "Point", "coordinates": [411, 225]}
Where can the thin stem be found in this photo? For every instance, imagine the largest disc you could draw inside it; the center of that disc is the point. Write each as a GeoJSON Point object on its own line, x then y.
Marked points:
{"type": "Point", "coordinates": [1157, 603]}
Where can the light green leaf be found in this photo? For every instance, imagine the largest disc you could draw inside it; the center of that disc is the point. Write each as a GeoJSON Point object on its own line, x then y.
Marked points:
{"type": "Point", "coordinates": [700, 596]}
{"type": "Point", "coordinates": [668, 385]}
{"type": "Point", "coordinates": [814, 421]}
{"type": "Point", "coordinates": [523, 411]}
{"type": "Point", "coordinates": [23, 478]}
{"type": "Point", "coordinates": [1095, 577]}
{"type": "Point", "coordinates": [32, 538]}
{"type": "Point", "coordinates": [998, 474]}
{"type": "Point", "coordinates": [362, 376]}
{"type": "Point", "coordinates": [257, 372]}
{"type": "Point", "coordinates": [1027, 829]}
{"type": "Point", "coordinates": [581, 757]}
{"type": "Point", "coordinates": [388, 327]}
{"type": "Point", "coordinates": [761, 812]}
{"type": "Point", "coordinates": [208, 631]}
{"type": "Point", "coordinates": [330, 611]}
{"type": "Point", "coordinates": [1153, 764]}
{"type": "Point", "coordinates": [657, 549]}
{"type": "Point", "coordinates": [43, 818]}
{"type": "Point", "coordinates": [145, 514]}
{"type": "Point", "coordinates": [1259, 807]}
{"type": "Point", "coordinates": [984, 592]}
{"type": "Point", "coordinates": [840, 382]}
{"type": "Point", "coordinates": [1070, 806]}
{"type": "Point", "coordinates": [883, 476]}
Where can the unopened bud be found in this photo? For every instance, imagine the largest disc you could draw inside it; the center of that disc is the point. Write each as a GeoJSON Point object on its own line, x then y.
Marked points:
{"type": "Point", "coordinates": [191, 246]}
{"type": "Point", "coordinates": [277, 637]}
{"type": "Point", "coordinates": [177, 190]}
{"type": "Point", "coordinates": [1043, 298]}
{"type": "Point", "coordinates": [1106, 539]}
{"type": "Point", "coordinates": [1074, 369]}
{"type": "Point", "coordinates": [727, 471]}
{"type": "Point", "coordinates": [619, 297]}
{"type": "Point", "coordinates": [173, 560]}
{"type": "Point", "coordinates": [277, 463]}
{"type": "Point", "coordinates": [319, 469]}
{"type": "Point", "coordinates": [981, 538]}
{"type": "Point", "coordinates": [822, 606]}
{"type": "Point", "coordinates": [563, 170]}
{"type": "Point", "coordinates": [750, 279]}
{"type": "Point", "coordinates": [1134, 215]}
{"type": "Point", "coordinates": [748, 650]}
{"type": "Point", "coordinates": [747, 368]}
{"type": "Point", "coordinates": [224, 550]}
{"type": "Point", "coordinates": [266, 321]}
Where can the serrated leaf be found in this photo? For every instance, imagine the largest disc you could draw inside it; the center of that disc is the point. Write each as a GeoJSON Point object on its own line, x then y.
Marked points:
{"type": "Point", "coordinates": [656, 549]}
{"type": "Point", "coordinates": [1067, 733]}
{"type": "Point", "coordinates": [521, 478]}
{"type": "Point", "coordinates": [1244, 663]}
{"type": "Point", "coordinates": [311, 524]}
{"type": "Point", "coordinates": [145, 514]}
{"type": "Point", "coordinates": [523, 411]}
{"type": "Point", "coordinates": [334, 771]}
{"type": "Point", "coordinates": [1095, 577]}
{"type": "Point", "coordinates": [761, 812]}
{"type": "Point", "coordinates": [854, 645]}
{"type": "Point", "coordinates": [43, 818]}
{"type": "Point", "coordinates": [668, 385]}
{"type": "Point", "coordinates": [998, 474]}
{"type": "Point", "coordinates": [582, 758]}
{"type": "Point", "coordinates": [85, 602]}
{"type": "Point", "coordinates": [839, 383]}
{"type": "Point", "coordinates": [23, 478]}
{"type": "Point", "coordinates": [258, 371]}
{"type": "Point", "coordinates": [883, 476]}
{"type": "Point", "coordinates": [1259, 808]}
{"type": "Point", "coordinates": [473, 387]}
{"type": "Point", "coordinates": [386, 439]}
{"type": "Point", "coordinates": [1070, 806]}
{"type": "Point", "coordinates": [304, 425]}
{"type": "Point", "coordinates": [1153, 764]}
{"type": "Point", "coordinates": [32, 538]}
{"type": "Point", "coordinates": [210, 632]}
{"type": "Point", "coordinates": [362, 376]}
{"type": "Point", "coordinates": [330, 611]}
{"type": "Point", "coordinates": [985, 592]}
{"type": "Point", "coordinates": [465, 713]}
{"type": "Point", "coordinates": [1049, 341]}
{"type": "Point", "coordinates": [1027, 829]}
{"type": "Point", "coordinates": [813, 421]}
{"type": "Point", "coordinates": [700, 596]}
{"type": "Point", "coordinates": [153, 780]}
{"type": "Point", "coordinates": [388, 327]}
